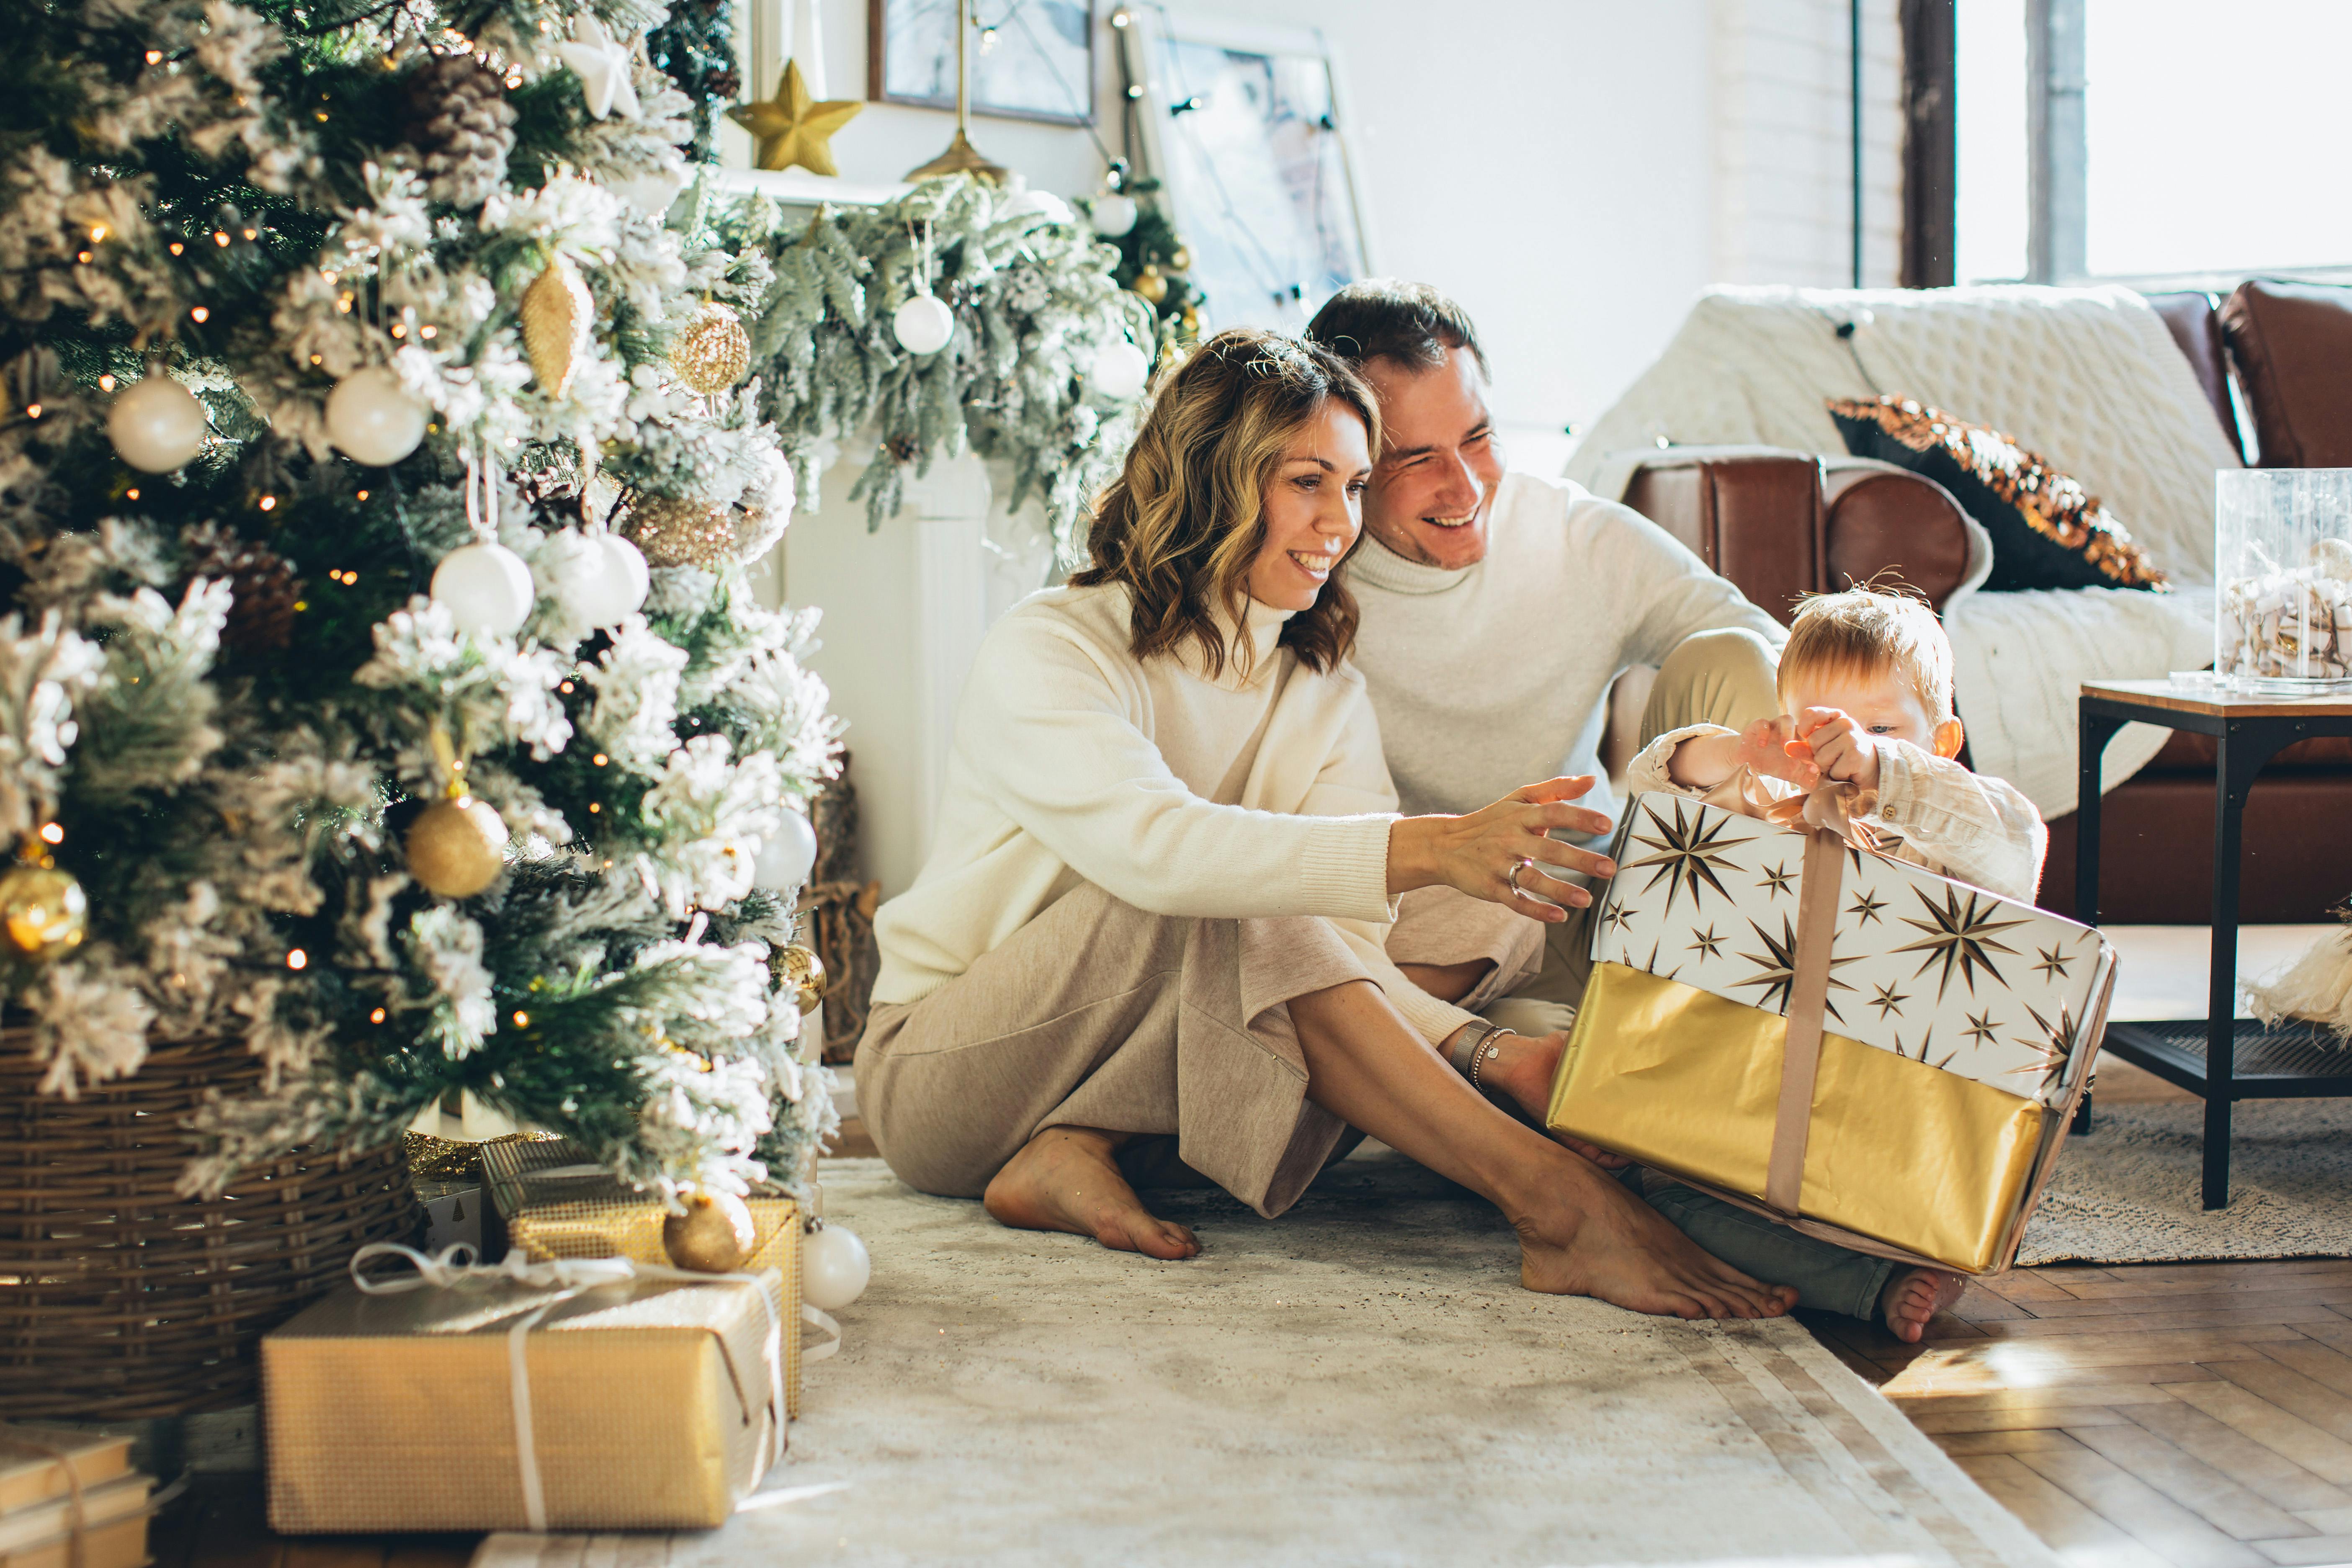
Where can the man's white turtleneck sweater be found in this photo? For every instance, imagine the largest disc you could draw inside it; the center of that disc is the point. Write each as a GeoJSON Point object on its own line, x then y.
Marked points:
{"type": "Point", "coordinates": [1496, 675]}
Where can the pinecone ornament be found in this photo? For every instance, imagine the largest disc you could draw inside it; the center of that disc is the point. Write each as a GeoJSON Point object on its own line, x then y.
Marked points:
{"type": "Point", "coordinates": [460, 122]}
{"type": "Point", "coordinates": [261, 615]}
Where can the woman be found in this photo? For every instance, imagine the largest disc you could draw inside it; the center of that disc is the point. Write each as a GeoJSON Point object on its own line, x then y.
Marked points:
{"type": "Point", "coordinates": [1159, 903]}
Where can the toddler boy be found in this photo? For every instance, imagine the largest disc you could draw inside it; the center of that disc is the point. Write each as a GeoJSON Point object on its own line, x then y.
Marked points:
{"type": "Point", "coordinates": [1867, 685]}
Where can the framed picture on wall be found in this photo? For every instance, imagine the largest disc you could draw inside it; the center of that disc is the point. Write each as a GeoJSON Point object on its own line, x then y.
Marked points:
{"type": "Point", "coordinates": [1031, 60]}
{"type": "Point", "coordinates": [1244, 125]}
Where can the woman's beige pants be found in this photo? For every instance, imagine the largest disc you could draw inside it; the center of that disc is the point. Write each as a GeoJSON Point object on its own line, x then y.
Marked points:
{"type": "Point", "coordinates": [1099, 1014]}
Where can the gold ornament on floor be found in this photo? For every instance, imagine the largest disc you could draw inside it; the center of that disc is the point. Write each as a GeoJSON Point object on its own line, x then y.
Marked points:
{"type": "Point", "coordinates": [557, 316]}
{"type": "Point", "coordinates": [42, 909]}
{"type": "Point", "coordinates": [803, 970]}
{"type": "Point", "coordinates": [1150, 283]}
{"type": "Point", "coordinates": [714, 1236]}
{"type": "Point", "coordinates": [792, 128]}
{"type": "Point", "coordinates": [675, 530]}
{"type": "Point", "coordinates": [712, 351]}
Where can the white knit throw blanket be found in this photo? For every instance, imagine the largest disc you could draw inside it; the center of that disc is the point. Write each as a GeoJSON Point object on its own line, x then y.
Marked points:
{"type": "Point", "coordinates": [2089, 378]}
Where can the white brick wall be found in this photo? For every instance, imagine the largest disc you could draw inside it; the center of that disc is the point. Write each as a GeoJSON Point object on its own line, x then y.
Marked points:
{"type": "Point", "coordinates": [1783, 205]}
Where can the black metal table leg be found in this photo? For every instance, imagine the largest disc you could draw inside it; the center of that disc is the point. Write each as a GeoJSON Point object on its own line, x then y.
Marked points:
{"type": "Point", "coordinates": [2238, 758]}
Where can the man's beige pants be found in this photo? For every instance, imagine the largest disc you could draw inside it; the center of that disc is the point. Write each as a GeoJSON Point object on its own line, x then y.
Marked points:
{"type": "Point", "coordinates": [1099, 1014]}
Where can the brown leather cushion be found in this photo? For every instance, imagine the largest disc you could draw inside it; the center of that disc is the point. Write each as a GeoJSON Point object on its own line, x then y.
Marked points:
{"type": "Point", "coordinates": [2292, 342]}
{"type": "Point", "coordinates": [2189, 315]}
{"type": "Point", "coordinates": [1752, 514]}
{"type": "Point", "coordinates": [1890, 528]}
{"type": "Point", "coordinates": [2188, 752]}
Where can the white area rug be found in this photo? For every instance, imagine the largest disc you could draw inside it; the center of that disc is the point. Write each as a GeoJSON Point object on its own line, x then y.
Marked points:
{"type": "Point", "coordinates": [2131, 1192]}
{"type": "Point", "coordinates": [1361, 1382]}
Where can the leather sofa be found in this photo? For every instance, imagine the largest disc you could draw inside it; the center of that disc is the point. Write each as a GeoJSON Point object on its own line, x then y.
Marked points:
{"type": "Point", "coordinates": [1784, 523]}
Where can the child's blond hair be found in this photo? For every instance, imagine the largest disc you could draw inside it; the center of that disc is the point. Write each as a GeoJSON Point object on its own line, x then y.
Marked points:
{"type": "Point", "coordinates": [1869, 630]}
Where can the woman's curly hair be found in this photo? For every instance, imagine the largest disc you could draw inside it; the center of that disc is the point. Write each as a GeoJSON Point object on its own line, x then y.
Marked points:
{"type": "Point", "coordinates": [1183, 522]}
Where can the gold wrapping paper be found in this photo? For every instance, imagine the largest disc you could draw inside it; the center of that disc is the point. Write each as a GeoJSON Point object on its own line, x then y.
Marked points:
{"type": "Point", "coordinates": [1687, 1083]}
{"type": "Point", "coordinates": [648, 1405]}
{"type": "Point", "coordinates": [553, 1205]}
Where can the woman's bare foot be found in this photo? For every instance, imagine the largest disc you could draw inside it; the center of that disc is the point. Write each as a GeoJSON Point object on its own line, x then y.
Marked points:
{"type": "Point", "coordinates": [1915, 1296]}
{"type": "Point", "coordinates": [1066, 1178]}
{"type": "Point", "coordinates": [1587, 1236]}
{"type": "Point", "coordinates": [1521, 1071]}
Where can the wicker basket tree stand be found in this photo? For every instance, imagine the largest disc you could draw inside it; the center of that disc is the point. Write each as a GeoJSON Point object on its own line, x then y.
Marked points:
{"type": "Point", "coordinates": [122, 1299]}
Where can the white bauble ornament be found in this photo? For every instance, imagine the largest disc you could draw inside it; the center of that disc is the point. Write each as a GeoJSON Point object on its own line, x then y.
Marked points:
{"type": "Point", "coordinates": [924, 324]}
{"type": "Point", "coordinates": [1114, 215]}
{"type": "Point", "coordinates": [1119, 372]}
{"type": "Point", "coordinates": [157, 426]}
{"type": "Point", "coordinates": [373, 418]}
{"type": "Point", "coordinates": [1037, 207]}
{"type": "Point", "coordinates": [600, 578]}
{"type": "Point", "coordinates": [487, 587]}
{"type": "Point", "coordinates": [787, 854]}
{"type": "Point", "coordinates": [625, 570]}
{"type": "Point", "coordinates": [653, 195]}
{"type": "Point", "coordinates": [834, 1267]}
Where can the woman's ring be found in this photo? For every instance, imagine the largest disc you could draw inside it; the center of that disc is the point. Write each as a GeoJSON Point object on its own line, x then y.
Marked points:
{"type": "Point", "coordinates": [1514, 877]}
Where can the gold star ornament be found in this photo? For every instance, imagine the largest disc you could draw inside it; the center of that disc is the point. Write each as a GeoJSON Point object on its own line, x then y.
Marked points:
{"type": "Point", "coordinates": [791, 128]}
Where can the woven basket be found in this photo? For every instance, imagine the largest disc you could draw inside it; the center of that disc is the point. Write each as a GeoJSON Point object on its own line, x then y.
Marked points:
{"type": "Point", "coordinates": [120, 1300]}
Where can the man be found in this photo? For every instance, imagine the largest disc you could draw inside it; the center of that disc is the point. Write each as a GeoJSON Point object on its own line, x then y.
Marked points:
{"type": "Point", "coordinates": [1498, 608]}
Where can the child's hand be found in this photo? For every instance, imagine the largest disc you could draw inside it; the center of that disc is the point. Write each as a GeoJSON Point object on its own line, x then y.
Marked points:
{"type": "Point", "coordinates": [1837, 746]}
{"type": "Point", "coordinates": [1766, 748]}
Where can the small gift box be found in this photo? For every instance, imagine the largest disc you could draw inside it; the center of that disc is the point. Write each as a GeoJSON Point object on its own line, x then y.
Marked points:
{"type": "Point", "coordinates": [575, 1395]}
{"type": "Point", "coordinates": [1849, 1044]}
{"type": "Point", "coordinates": [548, 1201]}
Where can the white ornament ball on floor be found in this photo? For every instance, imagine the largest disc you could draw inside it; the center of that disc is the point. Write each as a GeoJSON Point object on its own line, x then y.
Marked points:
{"type": "Point", "coordinates": [1114, 215]}
{"type": "Point", "coordinates": [373, 418]}
{"type": "Point", "coordinates": [157, 426]}
{"type": "Point", "coordinates": [834, 1267]}
{"type": "Point", "coordinates": [787, 854]}
{"type": "Point", "coordinates": [487, 587]}
{"type": "Point", "coordinates": [1119, 372]}
{"type": "Point", "coordinates": [924, 324]}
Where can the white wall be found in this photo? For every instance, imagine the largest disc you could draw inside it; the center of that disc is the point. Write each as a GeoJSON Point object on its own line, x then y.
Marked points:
{"type": "Point", "coordinates": [1574, 171]}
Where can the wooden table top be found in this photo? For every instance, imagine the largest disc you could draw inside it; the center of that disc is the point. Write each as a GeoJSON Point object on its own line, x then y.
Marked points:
{"type": "Point", "coordinates": [2216, 704]}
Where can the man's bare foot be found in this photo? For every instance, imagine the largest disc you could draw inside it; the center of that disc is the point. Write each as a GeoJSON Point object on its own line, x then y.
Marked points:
{"type": "Point", "coordinates": [1587, 1236]}
{"type": "Point", "coordinates": [1066, 1178]}
{"type": "Point", "coordinates": [1915, 1296]}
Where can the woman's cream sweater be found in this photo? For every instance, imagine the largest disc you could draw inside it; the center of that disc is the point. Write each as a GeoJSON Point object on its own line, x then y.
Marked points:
{"type": "Point", "coordinates": [1228, 797]}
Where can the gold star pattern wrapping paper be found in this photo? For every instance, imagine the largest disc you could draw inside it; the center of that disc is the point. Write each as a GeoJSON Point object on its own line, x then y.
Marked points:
{"type": "Point", "coordinates": [791, 128]}
{"type": "Point", "coordinates": [1957, 1030]}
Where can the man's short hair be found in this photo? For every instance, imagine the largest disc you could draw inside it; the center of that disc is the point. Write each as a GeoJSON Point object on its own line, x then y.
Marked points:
{"type": "Point", "coordinates": [1409, 325]}
{"type": "Point", "coordinates": [1867, 630]}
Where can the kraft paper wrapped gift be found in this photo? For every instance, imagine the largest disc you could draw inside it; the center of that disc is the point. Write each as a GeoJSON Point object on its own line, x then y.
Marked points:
{"type": "Point", "coordinates": [1849, 1044]}
{"type": "Point", "coordinates": [549, 1201]}
{"type": "Point", "coordinates": [582, 1394]}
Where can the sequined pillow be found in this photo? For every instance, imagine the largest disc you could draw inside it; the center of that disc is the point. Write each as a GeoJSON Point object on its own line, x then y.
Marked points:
{"type": "Point", "coordinates": [2047, 531]}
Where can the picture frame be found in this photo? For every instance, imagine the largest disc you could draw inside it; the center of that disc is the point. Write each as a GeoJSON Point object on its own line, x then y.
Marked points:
{"type": "Point", "coordinates": [1039, 65]}
{"type": "Point", "coordinates": [1245, 126]}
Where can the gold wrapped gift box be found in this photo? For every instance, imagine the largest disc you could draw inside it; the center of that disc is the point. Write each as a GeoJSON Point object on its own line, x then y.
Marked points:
{"type": "Point", "coordinates": [551, 1203]}
{"type": "Point", "coordinates": [649, 1407]}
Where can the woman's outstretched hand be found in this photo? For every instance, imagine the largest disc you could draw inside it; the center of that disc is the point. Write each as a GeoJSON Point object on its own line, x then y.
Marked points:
{"type": "Point", "coordinates": [1479, 853]}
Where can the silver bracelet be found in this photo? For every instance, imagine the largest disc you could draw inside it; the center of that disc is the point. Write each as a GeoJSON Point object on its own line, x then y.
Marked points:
{"type": "Point", "coordinates": [1468, 1040]}
{"type": "Point", "coordinates": [1488, 1050]}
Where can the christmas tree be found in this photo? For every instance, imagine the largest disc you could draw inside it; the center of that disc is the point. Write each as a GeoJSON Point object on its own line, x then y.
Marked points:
{"type": "Point", "coordinates": [381, 685]}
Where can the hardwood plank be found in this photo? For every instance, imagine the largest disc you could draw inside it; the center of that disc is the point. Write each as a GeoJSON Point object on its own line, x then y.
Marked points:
{"type": "Point", "coordinates": [1978, 1305]}
{"type": "Point", "coordinates": [330, 1552]}
{"type": "Point", "coordinates": [2214, 1497]}
{"type": "Point", "coordinates": [1982, 1375]}
{"type": "Point", "coordinates": [1917, 1402]}
{"type": "Point", "coordinates": [2077, 1533]}
{"type": "Point", "coordinates": [2141, 1511]}
{"type": "Point", "coordinates": [2291, 1438]}
{"type": "Point", "coordinates": [2269, 1475]}
{"type": "Point", "coordinates": [2323, 1363]}
{"type": "Point", "coordinates": [2108, 1347]}
{"type": "Point", "coordinates": [2274, 1295]}
{"type": "Point", "coordinates": [2318, 1550]}
{"type": "Point", "coordinates": [2023, 1285]}
{"type": "Point", "coordinates": [1957, 1444]}
{"type": "Point", "coordinates": [2067, 1416]}
{"type": "Point", "coordinates": [2327, 1520]}
{"type": "Point", "coordinates": [2271, 1322]}
{"type": "Point", "coordinates": [2292, 1392]}
{"type": "Point", "coordinates": [2190, 1278]}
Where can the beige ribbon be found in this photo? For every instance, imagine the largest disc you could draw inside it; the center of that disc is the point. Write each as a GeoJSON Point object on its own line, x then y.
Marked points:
{"type": "Point", "coordinates": [1809, 992]}
{"type": "Point", "coordinates": [570, 1276]}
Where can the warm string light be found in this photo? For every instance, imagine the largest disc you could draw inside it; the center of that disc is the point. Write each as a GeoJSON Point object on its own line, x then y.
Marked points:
{"type": "Point", "coordinates": [51, 833]}
{"type": "Point", "coordinates": [106, 382]}
{"type": "Point", "coordinates": [200, 315]}
{"type": "Point", "coordinates": [377, 1016]}
{"type": "Point", "coordinates": [522, 1019]}
{"type": "Point", "coordinates": [298, 959]}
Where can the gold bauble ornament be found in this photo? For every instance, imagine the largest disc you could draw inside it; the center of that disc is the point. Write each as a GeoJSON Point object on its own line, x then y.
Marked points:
{"type": "Point", "coordinates": [43, 911]}
{"type": "Point", "coordinates": [1180, 258]}
{"type": "Point", "coordinates": [457, 847]}
{"type": "Point", "coordinates": [711, 353]}
{"type": "Point", "coordinates": [672, 531]}
{"type": "Point", "coordinates": [558, 314]}
{"type": "Point", "coordinates": [714, 1236]}
{"type": "Point", "coordinates": [1151, 284]}
{"type": "Point", "coordinates": [801, 969]}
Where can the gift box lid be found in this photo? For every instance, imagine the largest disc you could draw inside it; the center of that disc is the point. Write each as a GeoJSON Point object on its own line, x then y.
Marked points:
{"type": "Point", "coordinates": [1929, 968]}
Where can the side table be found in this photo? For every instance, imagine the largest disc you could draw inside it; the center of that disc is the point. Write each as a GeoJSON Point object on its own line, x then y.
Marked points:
{"type": "Point", "coordinates": [2220, 1058]}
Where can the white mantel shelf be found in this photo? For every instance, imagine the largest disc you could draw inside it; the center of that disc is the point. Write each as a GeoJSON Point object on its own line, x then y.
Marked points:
{"type": "Point", "coordinates": [798, 187]}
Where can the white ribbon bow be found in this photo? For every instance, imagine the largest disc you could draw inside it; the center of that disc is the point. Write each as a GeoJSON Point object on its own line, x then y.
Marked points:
{"type": "Point", "coordinates": [454, 1266]}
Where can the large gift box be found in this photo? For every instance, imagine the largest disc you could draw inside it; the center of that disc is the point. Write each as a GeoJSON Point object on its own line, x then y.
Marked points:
{"type": "Point", "coordinates": [1862, 1048]}
{"type": "Point", "coordinates": [549, 1201]}
{"type": "Point", "coordinates": [586, 1394]}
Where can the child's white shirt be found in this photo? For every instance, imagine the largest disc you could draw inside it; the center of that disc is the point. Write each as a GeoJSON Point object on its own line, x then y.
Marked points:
{"type": "Point", "coordinates": [1931, 811]}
